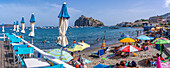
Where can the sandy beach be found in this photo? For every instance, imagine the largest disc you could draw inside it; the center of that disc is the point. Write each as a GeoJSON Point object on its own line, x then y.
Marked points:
{"type": "Point", "coordinates": [139, 59]}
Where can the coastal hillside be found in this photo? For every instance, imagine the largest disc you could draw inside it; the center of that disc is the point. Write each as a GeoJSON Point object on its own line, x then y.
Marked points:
{"type": "Point", "coordinates": [86, 21]}
{"type": "Point", "coordinates": [165, 15]}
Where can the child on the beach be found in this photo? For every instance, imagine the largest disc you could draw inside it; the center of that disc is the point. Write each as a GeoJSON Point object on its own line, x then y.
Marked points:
{"type": "Point", "coordinates": [103, 44]}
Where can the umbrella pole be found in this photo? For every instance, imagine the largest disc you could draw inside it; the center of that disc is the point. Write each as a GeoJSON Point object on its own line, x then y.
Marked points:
{"type": "Point", "coordinates": [161, 49]}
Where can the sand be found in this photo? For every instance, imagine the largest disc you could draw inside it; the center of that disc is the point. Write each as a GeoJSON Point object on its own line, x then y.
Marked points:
{"type": "Point", "coordinates": [140, 59]}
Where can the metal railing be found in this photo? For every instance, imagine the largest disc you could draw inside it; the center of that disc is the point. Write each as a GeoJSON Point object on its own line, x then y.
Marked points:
{"type": "Point", "coordinates": [47, 55]}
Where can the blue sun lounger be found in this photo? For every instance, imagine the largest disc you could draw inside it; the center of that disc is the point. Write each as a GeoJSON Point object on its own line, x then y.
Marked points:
{"type": "Point", "coordinates": [99, 53]}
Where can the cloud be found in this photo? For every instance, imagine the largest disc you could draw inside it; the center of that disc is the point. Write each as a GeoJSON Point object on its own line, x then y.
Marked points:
{"type": "Point", "coordinates": [167, 3]}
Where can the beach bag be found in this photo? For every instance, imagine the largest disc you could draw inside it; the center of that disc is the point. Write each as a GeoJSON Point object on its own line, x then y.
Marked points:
{"type": "Point", "coordinates": [133, 64]}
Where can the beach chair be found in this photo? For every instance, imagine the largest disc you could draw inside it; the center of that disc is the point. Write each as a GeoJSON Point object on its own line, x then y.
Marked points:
{"type": "Point", "coordinates": [55, 66]}
{"type": "Point", "coordinates": [24, 51]}
{"type": "Point", "coordinates": [15, 52]}
{"type": "Point", "coordinates": [99, 53]}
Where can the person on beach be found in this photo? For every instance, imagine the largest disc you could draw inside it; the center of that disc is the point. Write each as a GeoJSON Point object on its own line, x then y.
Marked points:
{"type": "Point", "coordinates": [103, 44]}
{"type": "Point", "coordinates": [84, 40]}
{"type": "Point", "coordinates": [81, 41]}
{"type": "Point", "coordinates": [97, 39]}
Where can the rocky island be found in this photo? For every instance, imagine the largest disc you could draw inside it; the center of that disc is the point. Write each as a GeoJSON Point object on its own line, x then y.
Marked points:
{"type": "Point", "coordinates": [86, 21]}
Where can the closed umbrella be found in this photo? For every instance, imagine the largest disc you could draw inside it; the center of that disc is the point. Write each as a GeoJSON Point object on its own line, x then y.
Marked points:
{"type": "Point", "coordinates": [23, 25]}
{"type": "Point", "coordinates": [66, 57]}
{"type": "Point", "coordinates": [3, 31]}
{"type": "Point", "coordinates": [17, 25]}
{"type": "Point", "coordinates": [32, 24]}
{"type": "Point", "coordinates": [14, 27]}
{"type": "Point", "coordinates": [63, 25]}
{"type": "Point", "coordinates": [126, 40]}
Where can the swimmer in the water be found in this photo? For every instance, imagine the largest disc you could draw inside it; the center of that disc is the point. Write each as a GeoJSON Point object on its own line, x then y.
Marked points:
{"type": "Point", "coordinates": [43, 42]}
{"type": "Point", "coordinates": [97, 39]}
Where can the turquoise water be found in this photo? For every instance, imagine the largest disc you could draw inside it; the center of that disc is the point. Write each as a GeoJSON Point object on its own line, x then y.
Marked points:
{"type": "Point", "coordinates": [90, 34]}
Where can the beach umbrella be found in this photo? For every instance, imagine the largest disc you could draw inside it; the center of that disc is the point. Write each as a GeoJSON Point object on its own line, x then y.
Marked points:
{"type": "Point", "coordinates": [32, 24]}
{"type": "Point", "coordinates": [143, 37]}
{"type": "Point", "coordinates": [150, 31]}
{"type": "Point", "coordinates": [63, 25]}
{"type": "Point", "coordinates": [66, 57]}
{"type": "Point", "coordinates": [121, 38]}
{"type": "Point", "coordinates": [3, 28]}
{"type": "Point", "coordinates": [161, 41]}
{"type": "Point", "coordinates": [78, 47]}
{"type": "Point", "coordinates": [23, 25]}
{"type": "Point", "coordinates": [130, 48]}
{"type": "Point", "coordinates": [100, 66]}
{"type": "Point", "coordinates": [151, 38]}
{"type": "Point", "coordinates": [17, 25]}
{"type": "Point", "coordinates": [14, 27]}
{"type": "Point", "coordinates": [125, 40]}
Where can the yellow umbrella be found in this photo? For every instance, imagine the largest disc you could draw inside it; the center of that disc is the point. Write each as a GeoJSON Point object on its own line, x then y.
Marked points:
{"type": "Point", "coordinates": [79, 47]}
{"type": "Point", "coordinates": [125, 40]}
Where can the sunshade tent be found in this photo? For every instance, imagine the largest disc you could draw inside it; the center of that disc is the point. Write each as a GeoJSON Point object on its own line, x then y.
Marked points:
{"type": "Point", "coordinates": [66, 57]}
{"type": "Point", "coordinates": [143, 37]}
{"type": "Point", "coordinates": [126, 40]}
{"type": "Point", "coordinates": [161, 41]}
{"type": "Point", "coordinates": [63, 25]}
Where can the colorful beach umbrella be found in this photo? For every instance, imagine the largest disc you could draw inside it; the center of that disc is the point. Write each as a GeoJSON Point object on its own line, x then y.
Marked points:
{"type": "Point", "coordinates": [23, 25]}
{"type": "Point", "coordinates": [121, 38]}
{"type": "Point", "coordinates": [14, 27]}
{"type": "Point", "coordinates": [63, 25]}
{"type": "Point", "coordinates": [161, 41]}
{"type": "Point", "coordinates": [126, 40]}
{"type": "Point", "coordinates": [66, 57]}
{"type": "Point", "coordinates": [130, 48]}
{"type": "Point", "coordinates": [143, 37]}
{"type": "Point", "coordinates": [32, 24]}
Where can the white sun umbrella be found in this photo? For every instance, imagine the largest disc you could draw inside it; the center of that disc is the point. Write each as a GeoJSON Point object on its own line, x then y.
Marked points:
{"type": "Point", "coordinates": [63, 25]}
{"type": "Point", "coordinates": [17, 25]}
{"type": "Point", "coordinates": [23, 25]}
{"type": "Point", "coordinates": [3, 31]}
{"type": "Point", "coordinates": [14, 27]}
{"type": "Point", "coordinates": [32, 20]}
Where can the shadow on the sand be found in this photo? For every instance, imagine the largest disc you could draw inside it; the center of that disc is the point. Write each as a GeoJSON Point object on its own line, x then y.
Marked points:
{"type": "Point", "coordinates": [142, 63]}
{"type": "Point", "coordinates": [93, 56]}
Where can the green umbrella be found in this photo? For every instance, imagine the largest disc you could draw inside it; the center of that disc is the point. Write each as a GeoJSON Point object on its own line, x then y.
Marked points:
{"type": "Point", "coordinates": [161, 41]}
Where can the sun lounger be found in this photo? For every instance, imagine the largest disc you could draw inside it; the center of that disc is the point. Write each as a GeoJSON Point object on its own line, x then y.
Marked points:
{"type": "Point", "coordinates": [99, 53]}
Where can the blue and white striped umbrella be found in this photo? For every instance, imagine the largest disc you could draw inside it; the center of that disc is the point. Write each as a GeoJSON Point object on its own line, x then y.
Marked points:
{"type": "Point", "coordinates": [66, 57]}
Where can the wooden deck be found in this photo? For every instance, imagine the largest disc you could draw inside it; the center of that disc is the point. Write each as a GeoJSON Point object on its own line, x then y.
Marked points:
{"type": "Point", "coordinates": [6, 57]}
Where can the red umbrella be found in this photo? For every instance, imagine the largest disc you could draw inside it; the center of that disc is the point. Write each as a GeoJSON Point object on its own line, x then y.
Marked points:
{"type": "Point", "coordinates": [130, 48]}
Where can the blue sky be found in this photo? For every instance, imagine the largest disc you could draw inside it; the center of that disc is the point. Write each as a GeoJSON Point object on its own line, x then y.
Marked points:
{"type": "Point", "coordinates": [110, 12]}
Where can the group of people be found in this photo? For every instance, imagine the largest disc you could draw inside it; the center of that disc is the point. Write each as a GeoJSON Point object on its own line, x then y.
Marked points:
{"type": "Point", "coordinates": [126, 64]}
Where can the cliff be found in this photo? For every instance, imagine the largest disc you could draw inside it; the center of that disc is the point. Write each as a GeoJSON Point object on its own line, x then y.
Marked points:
{"type": "Point", "coordinates": [86, 21]}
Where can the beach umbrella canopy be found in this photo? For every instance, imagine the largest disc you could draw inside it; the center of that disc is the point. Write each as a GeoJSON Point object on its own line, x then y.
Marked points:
{"type": "Point", "coordinates": [125, 40]}
{"type": "Point", "coordinates": [63, 25]}
{"type": "Point", "coordinates": [14, 27]}
{"type": "Point", "coordinates": [161, 41]}
{"type": "Point", "coordinates": [130, 48]}
{"type": "Point", "coordinates": [66, 57]}
{"type": "Point", "coordinates": [77, 47]}
{"type": "Point", "coordinates": [143, 37]}
{"type": "Point", "coordinates": [121, 38]}
{"type": "Point", "coordinates": [85, 45]}
{"type": "Point", "coordinates": [23, 25]}
{"type": "Point", "coordinates": [150, 31]}
{"type": "Point", "coordinates": [100, 66]}
{"type": "Point", "coordinates": [151, 38]}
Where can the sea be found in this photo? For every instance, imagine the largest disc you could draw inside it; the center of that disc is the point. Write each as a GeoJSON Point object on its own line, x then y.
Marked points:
{"type": "Point", "coordinates": [89, 34]}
